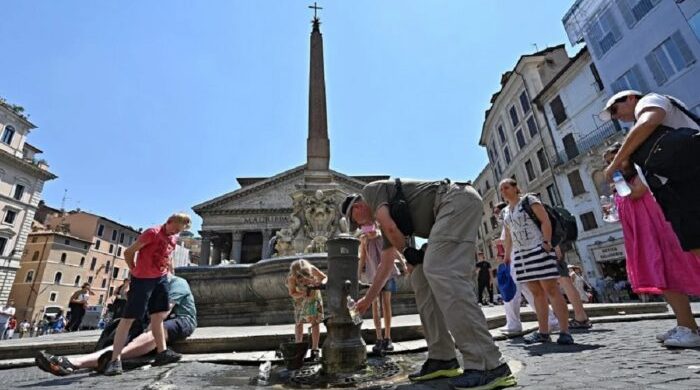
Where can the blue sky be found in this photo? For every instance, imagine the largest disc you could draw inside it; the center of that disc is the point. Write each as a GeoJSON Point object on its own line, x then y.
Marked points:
{"type": "Point", "coordinates": [148, 107]}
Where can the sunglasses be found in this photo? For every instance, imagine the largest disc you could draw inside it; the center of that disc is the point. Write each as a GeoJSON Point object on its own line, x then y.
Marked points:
{"type": "Point", "coordinates": [613, 107]}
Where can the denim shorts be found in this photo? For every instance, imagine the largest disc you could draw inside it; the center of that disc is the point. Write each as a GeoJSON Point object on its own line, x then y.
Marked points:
{"type": "Point", "coordinates": [146, 295]}
{"type": "Point", "coordinates": [390, 286]}
{"type": "Point", "coordinates": [178, 328]}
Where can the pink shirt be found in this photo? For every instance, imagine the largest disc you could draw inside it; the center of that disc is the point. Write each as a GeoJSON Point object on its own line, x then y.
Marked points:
{"type": "Point", "coordinates": [153, 259]}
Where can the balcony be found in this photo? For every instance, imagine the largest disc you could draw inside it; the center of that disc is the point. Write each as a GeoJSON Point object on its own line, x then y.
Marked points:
{"type": "Point", "coordinates": [574, 148]}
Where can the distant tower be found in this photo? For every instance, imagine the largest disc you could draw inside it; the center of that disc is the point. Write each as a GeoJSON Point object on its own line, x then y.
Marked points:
{"type": "Point", "coordinates": [317, 143]}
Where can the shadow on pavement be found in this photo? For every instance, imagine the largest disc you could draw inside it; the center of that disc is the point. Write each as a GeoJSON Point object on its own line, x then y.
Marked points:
{"type": "Point", "coordinates": [55, 382]}
{"type": "Point", "coordinates": [433, 384]}
{"type": "Point", "coordinates": [594, 330]}
{"type": "Point", "coordinates": [547, 348]}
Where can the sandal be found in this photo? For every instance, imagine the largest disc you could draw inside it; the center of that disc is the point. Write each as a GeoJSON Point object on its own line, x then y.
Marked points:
{"type": "Point", "coordinates": [586, 324]}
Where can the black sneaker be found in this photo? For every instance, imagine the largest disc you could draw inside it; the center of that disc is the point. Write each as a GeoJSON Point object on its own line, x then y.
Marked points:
{"type": "Point", "coordinates": [433, 368]}
{"type": "Point", "coordinates": [388, 346]}
{"type": "Point", "coordinates": [166, 357]}
{"type": "Point", "coordinates": [378, 346]}
{"type": "Point", "coordinates": [497, 378]}
{"type": "Point", "coordinates": [565, 339]}
{"type": "Point", "coordinates": [103, 361]}
{"type": "Point", "coordinates": [537, 337]}
{"type": "Point", "coordinates": [113, 368]}
{"type": "Point", "coordinates": [585, 324]}
{"type": "Point", "coordinates": [56, 365]}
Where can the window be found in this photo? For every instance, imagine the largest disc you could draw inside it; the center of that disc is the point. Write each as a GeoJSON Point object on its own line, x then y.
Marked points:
{"type": "Point", "coordinates": [506, 153]}
{"type": "Point", "coordinates": [121, 238]}
{"type": "Point", "coordinates": [632, 79]}
{"type": "Point", "coordinates": [107, 267]}
{"type": "Point", "coordinates": [669, 58]}
{"type": "Point", "coordinates": [52, 297]}
{"type": "Point", "coordinates": [588, 221]}
{"type": "Point", "coordinates": [66, 241]}
{"type": "Point", "coordinates": [114, 235]}
{"type": "Point", "coordinates": [97, 244]}
{"type": "Point", "coordinates": [100, 230]}
{"type": "Point", "coordinates": [125, 274]}
{"type": "Point", "coordinates": [3, 243]}
{"type": "Point", "coordinates": [570, 147]}
{"type": "Point", "coordinates": [596, 76]}
{"type": "Point", "coordinates": [542, 160]}
{"type": "Point", "coordinates": [35, 256]}
{"type": "Point", "coordinates": [531, 126]}
{"type": "Point", "coordinates": [10, 217]}
{"type": "Point", "coordinates": [19, 191]}
{"type": "Point", "coordinates": [93, 264]}
{"type": "Point", "coordinates": [514, 116]}
{"type": "Point", "coordinates": [102, 298]}
{"type": "Point", "coordinates": [576, 183]}
{"type": "Point", "coordinates": [111, 248]}
{"type": "Point", "coordinates": [501, 135]}
{"type": "Point", "coordinates": [104, 283]}
{"type": "Point", "coordinates": [131, 239]}
{"type": "Point", "coordinates": [488, 185]}
{"type": "Point", "coordinates": [524, 103]}
{"type": "Point", "coordinates": [115, 273]}
{"type": "Point", "coordinates": [601, 183]}
{"type": "Point", "coordinates": [63, 258]}
{"type": "Point", "coordinates": [530, 170]}
{"type": "Point", "coordinates": [90, 279]}
{"type": "Point", "coordinates": [603, 33]}
{"type": "Point", "coordinates": [694, 23]}
{"type": "Point", "coordinates": [119, 251]}
{"type": "Point", "coordinates": [82, 261]}
{"type": "Point", "coordinates": [552, 193]}
{"type": "Point", "coordinates": [8, 134]}
{"type": "Point", "coordinates": [57, 278]}
{"type": "Point", "coordinates": [111, 291]}
{"type": "Point", "coordinates": [521, 138]}
{"type": "Point", "coordinates": [494, 222]}
{"type": "Point", "coordinates": [558, 110]}
{"type": "Point", "coordinates": [29, 277]}
{"type": "Point", "coordinates": [634, 10]}
{"type": "Point", "coordinates": [33, 239]}
{"type": "Point", "coordinates": [77, 280]}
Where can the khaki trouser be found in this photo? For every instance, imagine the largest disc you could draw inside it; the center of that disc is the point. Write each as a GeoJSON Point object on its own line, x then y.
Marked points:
{"type": "Point", "coordinates": [443, 283]}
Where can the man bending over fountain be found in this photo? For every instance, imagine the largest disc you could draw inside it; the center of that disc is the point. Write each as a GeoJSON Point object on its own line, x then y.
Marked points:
{"type": "Point", "coordinates": [179, 325]}
{"type": "Point", "coordinates": [448, 215]}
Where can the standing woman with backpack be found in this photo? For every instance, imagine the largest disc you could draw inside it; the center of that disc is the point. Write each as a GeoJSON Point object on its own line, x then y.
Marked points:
{"type": "Point", "coordinates": [534, 260]}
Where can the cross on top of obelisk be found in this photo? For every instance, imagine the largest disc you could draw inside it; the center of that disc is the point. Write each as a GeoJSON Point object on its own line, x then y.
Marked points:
{"type": "Point", "coordinates": [315, 7]}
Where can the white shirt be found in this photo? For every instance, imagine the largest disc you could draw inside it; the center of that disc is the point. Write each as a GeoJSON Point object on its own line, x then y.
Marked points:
{"type": "Point", "coordinates": [6, 312]}
{"type": "Point", "coordinates": [523, 231]}
{"type": "Point", "coordinates": [675, 118]}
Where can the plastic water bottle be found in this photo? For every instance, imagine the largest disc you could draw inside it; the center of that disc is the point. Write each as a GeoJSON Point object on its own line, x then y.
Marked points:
{"type": "Point", "coordinates": [609, 209]}
{"type": "Point", "coordinates": [620, 184]}
{"type": "Point", "coordinates": [264, 373]}
{"type": "Point", "coordinates": [352, 308]}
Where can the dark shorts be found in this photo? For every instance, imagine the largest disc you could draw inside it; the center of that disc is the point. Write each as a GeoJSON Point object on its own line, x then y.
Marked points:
{"type": "Point", "coordinates": [178, 328]}
{"type": "Point", "coordinates": [146, 295]}
{"type": "Point", "coordinates": [563, 268]}
{"type": "Point", "coordinates": [390, 286]}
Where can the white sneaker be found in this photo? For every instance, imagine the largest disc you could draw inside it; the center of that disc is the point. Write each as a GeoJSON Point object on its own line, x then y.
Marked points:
{"type": "Point", "coordinates": [661, 337]}
{"type": "Point", "coordinates": [506, 330]}
{"type": "Point", "coordinates": [683, 338]}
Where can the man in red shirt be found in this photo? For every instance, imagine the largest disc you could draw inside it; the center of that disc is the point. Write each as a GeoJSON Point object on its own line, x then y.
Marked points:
{"type": "Point", "coordinates": [148, 288]}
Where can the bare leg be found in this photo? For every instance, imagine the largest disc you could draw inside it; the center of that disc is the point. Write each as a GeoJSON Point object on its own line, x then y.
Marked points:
{"type": "Point", "coordinates": [298, 333]}
{"type": "Point", "coordinates": [681, 308]}
{"type": "Point", "coordinates": [377, 318]}
{"type": "Point", "coordinates": [120, 336]}
{"type": "Point", "coordinates": [158, 330]}
{"type": "Point", "coordinates": [315, 335]}
{"type": "Point", "coordinates": [551, 288]}
{"type": "Point", "coordinates": [541, 305]}
{"type": "Point", "coordinates": [386, 308]}
{"type": "Point", "coordinates": [574, 297]}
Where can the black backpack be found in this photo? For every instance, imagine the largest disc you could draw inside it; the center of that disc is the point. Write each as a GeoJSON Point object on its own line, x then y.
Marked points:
{"type": "Point", "coordinates": [399, 210]}
{"type": "Point", "coordinates": [564, 228]}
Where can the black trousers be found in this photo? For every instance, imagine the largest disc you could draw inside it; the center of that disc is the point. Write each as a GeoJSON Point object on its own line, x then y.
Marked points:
{"type": "Point", "coordinates": [483, 285]}
{"type": "Point", "coordinates": [77, 312]}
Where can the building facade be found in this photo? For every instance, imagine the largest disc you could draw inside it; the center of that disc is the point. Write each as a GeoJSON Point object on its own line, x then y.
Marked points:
{"type": "Point", "coordinates": [571, 102]}
{"type": "Point", "coordinates": [648, 45]}
{"type": "Point", "coordinates": [489, 229]}
{"type": "Point", "coordinates": [22, 177]}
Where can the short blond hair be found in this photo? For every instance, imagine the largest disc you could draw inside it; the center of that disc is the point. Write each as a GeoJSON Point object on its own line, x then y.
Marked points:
{"type": "Point", "coordinates": [181, 219]}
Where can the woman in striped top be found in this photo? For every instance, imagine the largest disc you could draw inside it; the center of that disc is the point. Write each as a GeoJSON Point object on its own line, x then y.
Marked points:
{"type": "Point", "coordinates": [534, 260]}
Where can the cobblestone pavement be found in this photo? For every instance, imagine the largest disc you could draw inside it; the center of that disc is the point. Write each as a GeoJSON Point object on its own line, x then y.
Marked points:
{"type": "Point", "coordinates": [610, 356]}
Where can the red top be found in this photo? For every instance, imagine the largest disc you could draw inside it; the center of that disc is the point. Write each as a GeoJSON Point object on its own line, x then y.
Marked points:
{"type": "Point", "coordinates": [153, 259]}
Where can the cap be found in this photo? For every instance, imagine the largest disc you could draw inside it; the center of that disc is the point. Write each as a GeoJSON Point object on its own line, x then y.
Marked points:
{"type": "Point", "coordinates": [605, 114]}
{"type": "Point", "coordinates": [346, 206]}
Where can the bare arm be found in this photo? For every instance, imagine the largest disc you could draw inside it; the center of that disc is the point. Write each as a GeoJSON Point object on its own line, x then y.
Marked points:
{"type": "Point", "coordinates": [638, 189]}
{"type": "Point", "coordinates": [507, 246]}
{"type": "Point", "coordinates": [390, 230]}
{"type": "Point", "coordinates": [319, 276]}
{"type": "Point", "coordinates": [386, 265]}
{"type": "Point", "coordinates": [130, 253]}
{"type": "Point", "coordinates": [648, 121]}
{"type": "Point", "coordinates": [292, 288]}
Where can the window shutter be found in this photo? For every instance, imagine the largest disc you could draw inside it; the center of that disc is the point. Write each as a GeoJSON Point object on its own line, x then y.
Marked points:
{"type": "Point", "coordinates": [613, 24]}
{"type": "Point", "coordinates": [594, 38]}
{"type": "Point", "coordinates": [626, 13]}
{"type": "Point", "coordinates": [653, 64]}
{"type": "Point", "coordinates": [683, 47]}
{"type": "Point", "coordinates": [643, 86]}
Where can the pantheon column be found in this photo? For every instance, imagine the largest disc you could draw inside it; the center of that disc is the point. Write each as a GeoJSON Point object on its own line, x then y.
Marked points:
{"type": "Point", "coordinates": [236, 246]}
{"type": "Point", "coordinates": [266, 236]}
{"type": "Point", "coordinates": [205, 250]}
{"type": "Point", "coordinates": [216, 252]}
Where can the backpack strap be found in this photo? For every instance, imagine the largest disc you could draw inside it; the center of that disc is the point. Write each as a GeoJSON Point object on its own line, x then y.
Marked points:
{"type": "Point", "coordinates": [684, 110]}
{"type": "Point", "coordinates": [527, 207]}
